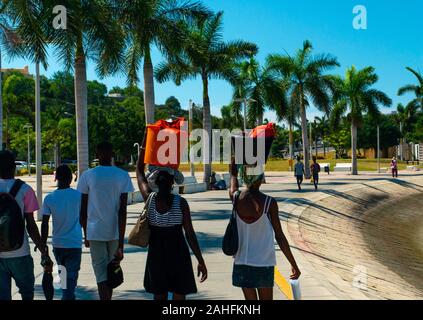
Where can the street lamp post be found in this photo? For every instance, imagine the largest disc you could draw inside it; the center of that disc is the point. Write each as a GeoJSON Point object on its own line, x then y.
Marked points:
{"type": "Point", "coordinates": [28, 126]}
{"type": "Point", "coordinates": [378, 149]}
{"type": "Point", "coordinates": [38, 140]}
{"type": "Point", "coordinates": [190, 120]}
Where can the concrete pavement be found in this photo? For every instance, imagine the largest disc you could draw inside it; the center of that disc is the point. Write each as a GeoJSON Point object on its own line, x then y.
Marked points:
{"type": "Point", "coordinates": [319, 242]}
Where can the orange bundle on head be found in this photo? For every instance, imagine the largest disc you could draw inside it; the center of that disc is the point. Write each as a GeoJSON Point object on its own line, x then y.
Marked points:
{"type": "Point", "coordinates": [165, 141]}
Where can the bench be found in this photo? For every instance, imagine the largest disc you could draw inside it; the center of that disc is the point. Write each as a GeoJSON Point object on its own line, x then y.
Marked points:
{"type": "Point", "coordinates": [343, 167]}
{"type": "Point", "coordinates": [190, 186]}
{"type": "Point", "coordinates": [413, 168]}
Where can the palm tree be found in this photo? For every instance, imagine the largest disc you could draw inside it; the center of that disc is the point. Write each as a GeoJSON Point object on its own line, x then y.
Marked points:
{"type": "Point", "coordinates": [354, 94]}
{"type": "Point", "coordinates": [416, 89]}
{"type": "Point", "coordinates": [308, 83]}
{"type": "Point", "coordinates": [205, 54]}
{"type": "Point", "coordinates": [153, 22]}
{"type": "Point", "coordinates": [322, 129]}
{"type": "Point", "coordinates": [259, 85]}
{"type": "Point", "coordinates": [91, 31]}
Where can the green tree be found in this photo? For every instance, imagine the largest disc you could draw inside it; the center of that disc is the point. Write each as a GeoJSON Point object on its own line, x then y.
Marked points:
{"type": "Point", "coordinates": [339, 140]}
{"type": "Point", "coordinates": [416, 89]}
{"type": "Point", "coordinates": [308, 84]}
{"type": "Point", "coordinates": [354, 94]}
{"type": "Point", "coordinates": [258, 85]}
{"type": "Point", "coordinates": [18, 96]}
{"type": "Point", "coordinates": [91, 31]}
{"type": "Point", "coordinates": [148, 23]}
{"type": "Point", "coordinates": [206, 55]}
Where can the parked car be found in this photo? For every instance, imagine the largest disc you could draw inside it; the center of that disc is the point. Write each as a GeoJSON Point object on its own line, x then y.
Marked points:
{"type": "Point", "coordinates": [49, 164]}
{"type": "Point", "coordinates": [21, 165]}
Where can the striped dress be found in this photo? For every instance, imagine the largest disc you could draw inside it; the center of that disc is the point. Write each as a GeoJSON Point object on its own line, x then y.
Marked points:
{"type": "Point", "coordinates": [168, 267]}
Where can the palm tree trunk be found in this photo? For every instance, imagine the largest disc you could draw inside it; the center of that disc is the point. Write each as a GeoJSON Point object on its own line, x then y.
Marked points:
{"type": "Point", "coordinates": [1, 109]}
{"type": "Point", "coordinates": [148, 87]}
{"type": "Point", "coordinates": [291, 142]}
{"type": "Point", "coordinates": [306, 149]}
{"type": "Point", "coordinates": [260, 119]}
{"type": "Point", "coordinates": [354, 147]}
{"type": "Point", "coordinates": [207, 128]}
{"type": "Point", "coordinates": [81, 109]}
{"type": "Point", "coordinates": [57, 154]}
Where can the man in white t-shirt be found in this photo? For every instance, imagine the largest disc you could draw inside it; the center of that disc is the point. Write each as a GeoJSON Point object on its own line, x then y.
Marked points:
{"type": "Point", "coordinates": [103, 215]}
{"type": "Point", "coordinates": [18, 264]}
{"type": "Point", "coordinates": [64, 206]}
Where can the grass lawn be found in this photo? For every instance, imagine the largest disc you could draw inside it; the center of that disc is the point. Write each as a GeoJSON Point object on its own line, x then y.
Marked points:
{"type": "Point", "coordinates": [282, 165]}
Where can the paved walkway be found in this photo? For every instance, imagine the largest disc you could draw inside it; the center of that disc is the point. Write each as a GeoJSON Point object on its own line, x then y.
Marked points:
{"type": "Point", "coordinates": [319, 226]}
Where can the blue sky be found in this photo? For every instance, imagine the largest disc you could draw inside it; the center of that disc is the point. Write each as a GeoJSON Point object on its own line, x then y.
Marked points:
{"type": "Point", "coordinates": [391, 42]}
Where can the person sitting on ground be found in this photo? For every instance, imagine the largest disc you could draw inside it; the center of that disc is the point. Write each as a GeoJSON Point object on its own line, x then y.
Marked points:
{"type": "Point", "coordinates": [64, 206]}
{"type": "Point", "coordinates": [299, 172]}
{"type": "Point", "coordinates": [169, 267]}
{"type": "Point", "coordinates": [104, 191]}
{"type": "Point", "coordinates": [258, 223]}
{"type": "Point", "coordinates": [18, 264]}
{"type": "Point", "coordinates": [315, 170]}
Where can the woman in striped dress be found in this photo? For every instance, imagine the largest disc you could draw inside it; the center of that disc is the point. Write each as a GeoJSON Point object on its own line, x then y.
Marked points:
{"type": "Point", "coordinates": [169, 267]}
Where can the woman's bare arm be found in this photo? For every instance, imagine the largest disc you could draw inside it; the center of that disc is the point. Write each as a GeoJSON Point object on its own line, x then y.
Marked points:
{"type": "Point", "coordinates": [281, 239]}
{"type": "Point", "coordinates": [141, 179]}
{"type": "Point", "coordinates": [234, 179]}
{"type": "Point", "coordinates": [192, 239]}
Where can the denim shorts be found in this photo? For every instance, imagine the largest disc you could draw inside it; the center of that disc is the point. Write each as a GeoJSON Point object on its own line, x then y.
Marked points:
{"type": "Point", "coordinates": [253, 277]}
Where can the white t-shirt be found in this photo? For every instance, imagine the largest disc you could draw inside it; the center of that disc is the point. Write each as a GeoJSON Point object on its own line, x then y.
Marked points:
{"type": "Point", "coordinates": [64, 205]}
{"type": "Point", "coordinates": [104, 186]}
{"type": "Point", "coordinates": [27, 201]}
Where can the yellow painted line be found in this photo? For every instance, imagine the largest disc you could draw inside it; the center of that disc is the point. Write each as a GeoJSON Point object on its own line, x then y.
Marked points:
{"type": "Point", "coordinates": [283, 285]}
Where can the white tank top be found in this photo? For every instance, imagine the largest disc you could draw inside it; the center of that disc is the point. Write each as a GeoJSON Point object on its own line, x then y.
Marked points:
{"type": "Point", "coordinates": [256, 246]}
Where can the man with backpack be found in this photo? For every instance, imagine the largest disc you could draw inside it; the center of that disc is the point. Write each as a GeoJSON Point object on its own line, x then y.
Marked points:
{"type": "Point", "coordinates": [17, 205]}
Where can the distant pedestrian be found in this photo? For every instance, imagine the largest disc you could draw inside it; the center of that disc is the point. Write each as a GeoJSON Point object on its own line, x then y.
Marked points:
{"type": "Point", "coordinates": [299, 172]}
{"type": "Point", "coordinates": [394, 167]}
{"type": "Point", "coordinates": [64, 206]}
{"type": "Point", "coordinates": [104, 191]}
{"type": "Point", "coordinates": [315, 170]}
{"type": "Point", "coordinates": [17, 204]}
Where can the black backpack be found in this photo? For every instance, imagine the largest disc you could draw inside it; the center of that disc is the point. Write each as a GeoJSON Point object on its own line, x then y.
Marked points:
{"type": "Point", "coordinates": [12, 224]}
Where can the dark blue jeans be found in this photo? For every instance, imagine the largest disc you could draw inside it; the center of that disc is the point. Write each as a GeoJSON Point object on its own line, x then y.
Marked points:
{"type": "Point", "coordinates": [22, 271]}
{"type": "Point", "coordinates": [70, 259]}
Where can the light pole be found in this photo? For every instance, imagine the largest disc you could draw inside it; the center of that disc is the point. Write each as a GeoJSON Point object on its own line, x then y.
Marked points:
{"type": "Point", "coordinates": [190, 120]}
{"type": "Point", "coordinates": [245, 102]}
{"type": "Point", "coordinates": [28, 126]}
{"type": "Point", "coordinates": [378, 149]}
{"type": "Point", "coordinates": [38, 140]}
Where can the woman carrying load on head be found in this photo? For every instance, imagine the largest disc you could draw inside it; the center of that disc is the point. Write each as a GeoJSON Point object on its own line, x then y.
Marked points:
{"type": "Point", "coordinates": [258, 225]}
{"type": "Point", "coordinates": [169, 267]}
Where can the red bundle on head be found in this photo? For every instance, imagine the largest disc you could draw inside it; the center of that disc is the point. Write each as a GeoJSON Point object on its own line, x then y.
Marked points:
{"type": "Point", "coordinates": [165, 142]}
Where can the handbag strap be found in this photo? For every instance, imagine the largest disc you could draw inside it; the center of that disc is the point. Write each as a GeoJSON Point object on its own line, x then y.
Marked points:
{"type": "Point", "coordinates": [147, 203]}
{"type": "Point", "coordinates": [234, 203]}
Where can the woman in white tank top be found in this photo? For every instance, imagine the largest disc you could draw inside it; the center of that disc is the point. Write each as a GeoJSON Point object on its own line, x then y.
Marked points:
{"type": "Point", "coordinates": [258, 225]}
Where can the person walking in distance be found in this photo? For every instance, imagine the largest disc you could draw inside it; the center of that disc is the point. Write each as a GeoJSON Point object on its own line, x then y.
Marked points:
{"type": "Point", "coordinates": [299, 172]}
{"type": "Point", "coordinates": [104, 191]}
{"type": "Point", "coordinates": [394, 167]}
{"type": "Point", "coordinates": [315, 170]}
